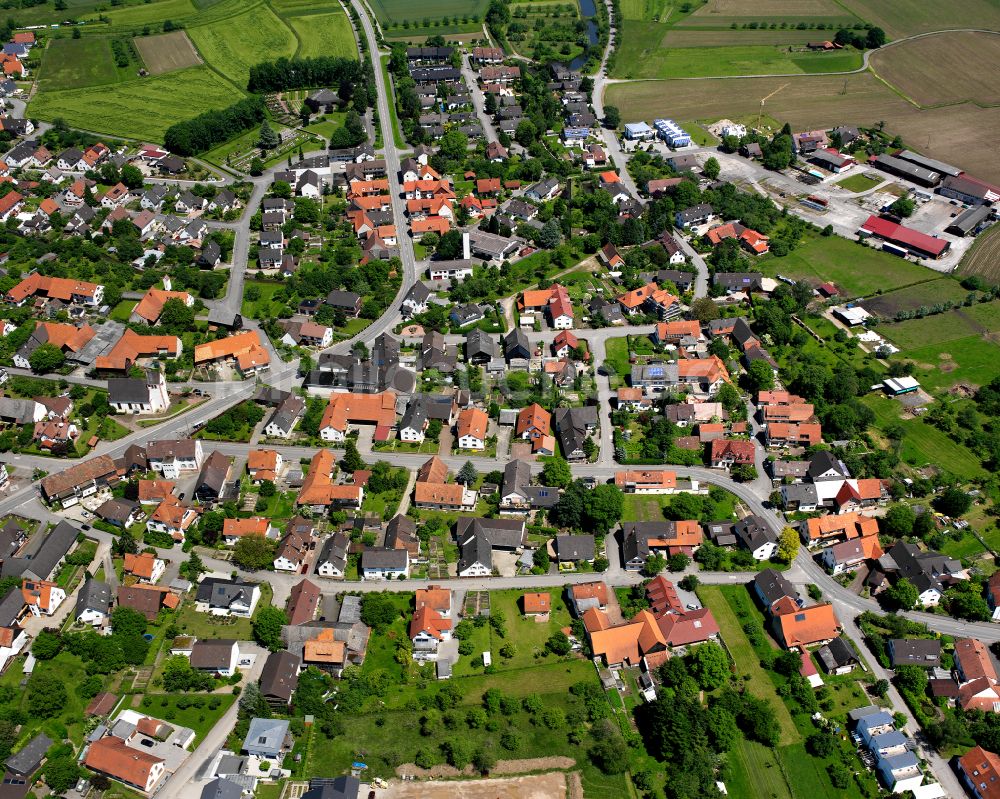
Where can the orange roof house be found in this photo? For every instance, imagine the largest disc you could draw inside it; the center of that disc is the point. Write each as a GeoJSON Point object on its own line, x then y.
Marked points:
{"type": "Point", "coordinates": [663, 596]}
{"type": "Point", "coordinates": [973, 661]}
{"type": "Point", "coordinates": [240, 528]}
{"type": "Point", "coordinates": [535, 604]}
{"type": "Point", "coordinates": [788, 433]}
{"type": "Point", "coordinates": [151, 491]}
{"type": "Point", "coordinates": [844, 525]}
{"type": "Point", "coordinates": [350, 408]}
{"type": "Point", "coordinates": [151, 305]}
{"type": "Point", "coordinates": [755, 242]}
{"type": "Point", "coordinates": [730, 230]}
{"type": "Point", "coordinates": [431, 224]}
{"type": "Point", "coordinates": [262, 464]}
{"type": "Point", "coordinates": [789, 412]}
{"type": "Point", "coordinates": [443, 495]}
{"type": "Point", "coordinates": [585, 595]}
{"type": "Point", "coordinates": [24, 37]}
{"type": "Point", "coordinates": [245, 348]}
{"type": "Point", "coordinates": [48, 206]}
{"type": "Point", "coordinates": [631, 301]}
{"type": "Point", "coordinates": [434, 597]}
{"type": "Point", "coordinates": [533, 422]}
{"type": "Point", "coordinates": [142, 565]}
{"type": "Point", "coordinates": [319, 490]}
{"type": "Point", "coordinates": [728, 451]}
{"type": "Point", "coordinates": [132, 346]}
{"type": "Point", "coordinates": [473, 423]}
{"type": "Point", "coordinates": [646, 481]}
{"type": "Point", "coordinates": [59, 288]}
{"type": "Point", "coordinates": [42, 595]}
{"type": "Point", "coordinates": [65, 337]}
{"type": "Point", "coordinates": [433, 470]}
{"type": "Point", "coordinates": [487, 185]}
{"type": "Point", "coordinates": [708, 370]}
{"type": "Point", "coordinates": [133, 766]}
{"type": "Point", "coordinates": [672, 332]}
{"type": "Point", "coordinates": [595, 619]}
{"type": "Point", "coordinates": [796, 627]}
{"type": "Point", "coordinates": [428, 621]}
{"type": "Point", "coordinates": [607, 178]}
{"type": "Point", "coordinates": [981, 769]}
{"type": "Point", "coordinates": [324, 650]}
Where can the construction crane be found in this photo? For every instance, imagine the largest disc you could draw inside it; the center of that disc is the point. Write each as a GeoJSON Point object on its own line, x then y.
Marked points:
{"type": "Point", "coordinates": [763, 100]}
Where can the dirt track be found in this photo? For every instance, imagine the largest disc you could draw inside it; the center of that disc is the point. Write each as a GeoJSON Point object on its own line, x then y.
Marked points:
{"type": "Point", "coordinates": [538, 786]}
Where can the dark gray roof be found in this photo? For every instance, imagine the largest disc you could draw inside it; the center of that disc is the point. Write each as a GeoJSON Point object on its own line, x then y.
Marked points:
{"type": "Point", "coordinates": [213, 473]}
{"type": "Point", "coordinates": [211, 654]}
{"type": "Point", "coordinates": [343, 299]}
{"type": "Point", "coordinates": [753, 533]}
{"type": "Point", "coordinates": [384, 559]}
{"type": "Point", "coordinates": [42, 560]}
{"type": "Point", "coordinates": [221, 593]}
{"type": "Point", "coordinates": [837, 653]}
{"type": "Point", "coordinates": [95, 595]}
{"type": "Point", "coordinates": [28, 760]}
{"type": "Point", "coordinates": [334, 550]}
{"type": "Point", "coordinates": [117, 510]}
{"type": "Point", "coordinates": [345, 787]}
{"type": "Point", "coordinates": [475, 549]}
{"type": "Point", "coordinates": [501, 533]}
{"type": "Point", "coordinates": [221, 788]}
{"type": "Point", "coordinates": [280, 675]}
{"type": "Point", "coordinates": [773, 585]}
{"type": "Point", "coordinates": [915, 652]}
{"type": "Point", "coordinates": [823, 461]}
{"type": "Point", "coordinates": [399, 531]}
{"type": "Point", "coordinates": [127, 389]}
{"type": "Point", "coordinates": [574, 547]}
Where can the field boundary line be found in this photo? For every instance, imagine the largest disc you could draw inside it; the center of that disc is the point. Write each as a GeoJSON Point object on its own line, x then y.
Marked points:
{"type": "Point", "coordinates": [295, 34]}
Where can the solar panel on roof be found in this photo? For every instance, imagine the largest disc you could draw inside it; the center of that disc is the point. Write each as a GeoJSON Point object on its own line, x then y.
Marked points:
{"type": "Point", "coordinates": [656, 371]}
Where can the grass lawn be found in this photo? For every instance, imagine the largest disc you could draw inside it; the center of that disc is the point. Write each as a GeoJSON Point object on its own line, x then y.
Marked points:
{"type": "Point", "coordinates": [200, 717]}
{"type": "Point", "coordinates": [139, 109]}
{"type": "Point", "coordinates": [616, 354]}
{"type": "Point", "coordinates": [527, 635]}
{"type": "Point", "coordinates": [924, 444]}
{"type": "Point", "coordinates": [755, 772]}
{"type": "Point", "coordinates": [123, 310]}
{"type": "Point", "coordinates": [856, 269]}
{"type": "Point", "coordinates": [397, 137]}
{"type": "Point", "coordinates": [264, 307]}
{"type": "Point", "coordinates": [747, 662]}
{"type": "Point", "coordinates": [384, 504]}
{"type": "Point", "coordinates": [324, 34]}
{"type": "Point", "coordinates": [261, 36]}
{"type": "Point", "coordinates": [70, 670]}
{"type": "Point", "coordinates": [425, 447]}
{"type": "Point", "coordinates": [75, 63]}
{"type": "Point", "coordinates": [325, 127]}
{"type": "Point", "coordinates": [970, 360]}
{"type": "Point", "coordinates": [202, 625]}
{"type": "Point", "coordinates": [858, 183]}
{"type": "Point", "coordinates": [761, 59]}
{"type": "Point", "coordinates": [280, 506]}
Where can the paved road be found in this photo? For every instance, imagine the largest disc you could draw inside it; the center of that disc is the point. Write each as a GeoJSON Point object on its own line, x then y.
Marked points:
{"type": "Point", "coordinates": [388, 319]}
{"type": "Point", "coordinates": [478, 97]}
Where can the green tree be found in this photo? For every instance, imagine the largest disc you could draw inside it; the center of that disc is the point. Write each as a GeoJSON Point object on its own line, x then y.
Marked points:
{"type": "Point", "coordinates": [602, 508]}
{"type": "Point", "coordinates": [911, 679]}
{"type": "Point", "coordinates": [378, 611]}
{"type": "Point", "coordinates": [760, 376]}
{"type": "Point", "coordinates": [556, 472]}
{"type": "Point", "coordinates": [654, 565]}
{"type": "Point", "coordinates": [46, 358]}
{"type": "Point", "coordinates": [253, 552]}
{"type": "Point", "coordinates": [902, 596]}
{"type": "Point", "coordinates": [467, 474]}
{"type": "Point", "coordinates": [131, 176]}
{"type": "Point", "coordinates": [267, 139]}
{"type": "Point", "coordinates": [267, 626]}
{"type": "Point", "coordinates": [126, 621]}
{"type": "Point", "coordinates": [550, 235]}
{"type": "Point", "coordinates": [904, 207]}
{"type": "Point", "coordinates": [709, 665]}
{"type": "Point", "coordinates": [558, 643]}
{"type": "Point", "coordinates": [176, 317]}
{"type": "Point", "coordinates": [267, 488]}
{"type": "Point", "coordinates": [46, 694]}
{"type": "Point", "coordinates": [788, 544]}
{"type": "Point", "coordinates": [898, 521]}
{"type": "Point", "coordinates": [953, 501]}
{"type": "Point", "coordinates": [454, 145]}
{"type": "Point", "coordinates": [352, 460]}
{"type": "Point", "coordinates": [61, 773]}
{"type": "Point", "coordinates": [612, 117]}
{"type": "Point", "coordinates": [711, 169]}
{"type": "Point", "coordinates": [47, 644]}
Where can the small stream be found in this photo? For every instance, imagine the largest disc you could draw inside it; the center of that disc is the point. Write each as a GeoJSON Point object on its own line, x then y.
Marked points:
{"type": "Point", "coordinates": [588, 10]}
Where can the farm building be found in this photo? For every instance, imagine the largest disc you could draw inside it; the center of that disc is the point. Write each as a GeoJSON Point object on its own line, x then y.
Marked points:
{"type": "Point", "coordinates": [913, 241]}
{"type": "Point", "coordinates": [968, 220]}
{"type": "Point", "coordinates": [900, 385]}
{"type": "Point", "coordinates": [906, 169]}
